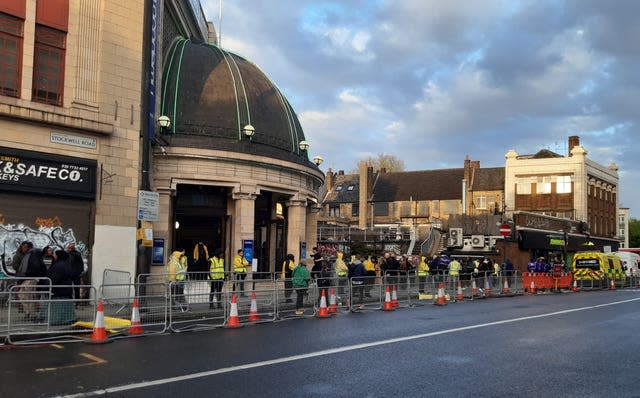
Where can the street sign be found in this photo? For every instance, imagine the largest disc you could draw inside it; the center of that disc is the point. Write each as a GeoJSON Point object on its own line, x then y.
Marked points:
{"type": "Point", "coordinates": [148, 205]}
{"type": "Point", "coordinates": [505, 230]}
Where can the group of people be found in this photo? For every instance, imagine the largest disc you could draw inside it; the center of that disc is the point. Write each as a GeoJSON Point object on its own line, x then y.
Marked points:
{"type": "Point", "coordinates": [178, 269]}
{"type": "Point", "coordinates": [34, 268]}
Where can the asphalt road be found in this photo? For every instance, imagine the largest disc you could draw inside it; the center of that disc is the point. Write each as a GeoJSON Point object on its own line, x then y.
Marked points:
{"type": "Point", "coordinates": [568, 345]}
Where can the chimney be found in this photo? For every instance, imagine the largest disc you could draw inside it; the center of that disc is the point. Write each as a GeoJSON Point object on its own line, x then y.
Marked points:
{"type": "Point", "coordinates": [475, 164]}
{"type": "Point", "coordinates": [340, 172]}
{"type": "Point", "coordinates": [574, 141]}
{"type": "Point", "coordinates": [369, 180]}
{"type": "Point", "coordinates": [467, 168]}
{"type": "Point", "coordinates": [329, 180]}
{"type": "Point", "coordinates": [364, 176]}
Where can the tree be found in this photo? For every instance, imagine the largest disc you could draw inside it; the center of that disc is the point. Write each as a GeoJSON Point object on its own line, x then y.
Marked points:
{"type": "Point", "coordinates": [383, 161]}
{"type": "Point", "coordinates": [634, 232]}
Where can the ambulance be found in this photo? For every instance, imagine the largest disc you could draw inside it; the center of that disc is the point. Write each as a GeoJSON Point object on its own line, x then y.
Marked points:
{"type": "Point", "coordinates": [596, 265]}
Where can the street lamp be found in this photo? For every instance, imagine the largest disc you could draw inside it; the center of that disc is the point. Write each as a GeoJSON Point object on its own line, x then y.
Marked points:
{"type": "Point", "coordinates": [318, 160]}
{"type": "Point", "coordinates": [304, 145]}
{"type": "Point", "coordinates": [164, 122]}
{"type": "Point", "coordinates": [249, 131]}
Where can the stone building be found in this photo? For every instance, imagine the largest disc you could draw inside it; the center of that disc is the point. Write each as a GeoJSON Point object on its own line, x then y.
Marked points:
{"type": "Point", "coordinates": [70, 119]}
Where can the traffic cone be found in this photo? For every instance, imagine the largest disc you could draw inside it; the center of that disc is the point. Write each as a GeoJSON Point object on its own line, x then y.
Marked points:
{"type": "Point", "coordinates": [333, 308]}
{"type": "Point", "coordinates": [575, 286]}
{"type": "Point", "coordinates": [253, 311]}
{"type": "Point", "coordinates": [323, 312]}
{"type": "Point", "coordinates": [99, 334]}
{"type": "Point", "coordinates": [612, 285]}
{"type": "Point", "coordinates": [394, 297]}
{"type": "Point", "coordinates": [487, 286]}
{"type": "Point", "coordinates": [474, 287]}
{"type": "Point", "coordinates": [532, 288]}
{"type": "Point", "coordinates": [441, 299]}
{"type": "Point", "coordinates": [505, 286]}
{"type": "Point", "coordinates": [459, 294]}
{"type": "Point", "coordinates": [388, 306]}
{"type": "Point", "coordinates": [234, 319]}
{"type": "Point", "coordinates": [136, 325]}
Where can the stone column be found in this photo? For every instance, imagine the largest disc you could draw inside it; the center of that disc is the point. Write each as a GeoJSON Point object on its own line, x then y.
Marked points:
{"type": "Point", "coordinates": [163, 228]}
{"type": "Point", "coordinates": [243, 218]}
{"type": "Point", "coordinates": [296, 226]}
{"type": "Point", "coordinates": [312, 226]}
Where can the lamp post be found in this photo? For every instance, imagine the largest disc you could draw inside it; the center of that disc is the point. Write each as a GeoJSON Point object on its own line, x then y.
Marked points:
{"type": "Point", "coordinates": [249, 131]}
{"type": "Point", "coordinates": [318, 160]}
{"type": "Point", "coordinates": [303, 145]}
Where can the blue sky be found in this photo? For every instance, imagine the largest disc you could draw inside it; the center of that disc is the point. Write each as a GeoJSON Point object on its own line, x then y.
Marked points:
{"type": "Point", "coordinates": [431, 81]}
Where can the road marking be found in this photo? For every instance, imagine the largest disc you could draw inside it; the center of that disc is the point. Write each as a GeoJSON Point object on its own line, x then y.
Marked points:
{"type": "Point", "coordinates": [94, 361]}
{"type": "Point", "coordinates": [58, 346]}
{"type": "Point", "coordinates": [331, 351]}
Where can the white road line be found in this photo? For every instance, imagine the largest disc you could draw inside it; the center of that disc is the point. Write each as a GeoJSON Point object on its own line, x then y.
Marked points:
{"type": "Point", "coordinates": [331, 351]}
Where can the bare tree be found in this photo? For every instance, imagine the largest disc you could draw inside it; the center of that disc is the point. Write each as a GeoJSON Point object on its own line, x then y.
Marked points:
{"type": "Point", "coordinates": [383, 161]}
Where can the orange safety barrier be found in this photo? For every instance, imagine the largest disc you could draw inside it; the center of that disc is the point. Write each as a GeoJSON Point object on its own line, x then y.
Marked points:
{"type": "Point", "coordinates": [546, 281]}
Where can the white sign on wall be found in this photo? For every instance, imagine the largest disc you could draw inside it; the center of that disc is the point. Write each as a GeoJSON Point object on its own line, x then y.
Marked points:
{"type": "Point", "coordinates": [148, 205]}
{"type": "Point", "coordinates": [75, 140]}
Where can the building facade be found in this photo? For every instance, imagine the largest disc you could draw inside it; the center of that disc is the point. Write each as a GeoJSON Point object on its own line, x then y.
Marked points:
{"type": "Point", "coordinates": [70, 116]}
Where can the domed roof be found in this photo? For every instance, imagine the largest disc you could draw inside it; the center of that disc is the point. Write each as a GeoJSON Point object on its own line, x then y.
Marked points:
{"type": "Point", "coordinates": [211, 94]}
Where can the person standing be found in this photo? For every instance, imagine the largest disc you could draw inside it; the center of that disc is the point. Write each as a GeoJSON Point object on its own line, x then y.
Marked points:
{"type": "Point", "coordinates": [240, 265]}
{"type": "Point", "coordinates": [48, 256]}
{"type": "Point", "coordinates": [62, 311]}
{"type": "Point", "coordinates": [31, 266]}
{"type": "Point", "coordinates": [341, 271]}
{"type": "Point", "coordinates": [317, 259]}
{"type": "Point", "coordinates": [175, 276]}
{"type": "Point", "coordinates": [356, 275]}
{"type": "Point", "coordinates": [423, 271]}
{"type": "Point", "coordinates": [370, 273]}
{"type": "Point", "coordinates": [300, 279]}
{"type": "Point", "coordinates": [216, 275]}
{"type": "Point", "coordinates": [287, 269]}
{"type": "Point", "coordinates": [77, 268]}
{"type": "Point", "coordinates": [454, 269]}
{"type": "Point", "coordinates": [391, 268]}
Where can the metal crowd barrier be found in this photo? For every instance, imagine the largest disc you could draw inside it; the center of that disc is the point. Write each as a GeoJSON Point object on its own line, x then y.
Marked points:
{"type": "Point", "coordinates": [9, 289]}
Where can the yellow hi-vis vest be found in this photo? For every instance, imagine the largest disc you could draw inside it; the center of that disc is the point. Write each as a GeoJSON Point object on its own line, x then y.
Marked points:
{"type": "Point", "coordinates": [423, 268]}
{"type": "Point", "coordinates": [240, 264]}
{"type": "Point", "coordinates": [369, 266]}
{"type": "Point", "coordinates": [216, 268]}
{"type": "Point", "coordinates": [181, 270]}
{"type": "Point", "coordinates": [454, 268]}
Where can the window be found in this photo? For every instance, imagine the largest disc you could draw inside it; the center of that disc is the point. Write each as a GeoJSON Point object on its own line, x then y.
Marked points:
{"type": "Point", "coordinates": [11, 29]}
{"type": "Point", "coordinates": [481, 202]}
{"type": "Point", "coordinates": [334, 210]}
{"type": "Point", "coordinates": [543, 185]}
{"type": "Point", "coordinates": [355, 210]}
{"type": "Point", "coordinates": [381, 209]}
{"type": "Point", "coordinates": [48, 65]}
{"type": "Point", "coordinates": [405, 209]}
{"type": "Point", "coordinates": [621, 219]}
{"type": "Point", "coordinates": [622, 232]}
{"type": "Point", "coordinates": [339, 187]}
{"type": "Point", "coordinates": [563, 184]}
{"type": "Point", "coordinates": [523, 186]}
{"type": "Point", "coordinates": [350, 188]}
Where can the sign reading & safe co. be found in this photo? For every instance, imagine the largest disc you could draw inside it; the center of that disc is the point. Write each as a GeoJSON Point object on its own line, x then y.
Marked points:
{"type": "Point", "coordinates": [38, 172]}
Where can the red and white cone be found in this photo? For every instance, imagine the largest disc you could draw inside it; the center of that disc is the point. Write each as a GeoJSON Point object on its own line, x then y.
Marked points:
{"type": "Point", "coordinates": [487, 287]}
{"type": "Point", "coordinates": [505, 286]}
{"type": "Point", "coordinates": [333, 308]}
{"type": "Point", "coordinates": [394, 298]}
{"type": "Point", "coordinates": [474, 287]}
{"type": "Point", "coordinates": [532, 288]}
{"type": "Point", "coordinates": [459, 294]}
{"type": "Point", "coordinates": [99, 335]}
{"type": "Point", "coordinates": [388, 306]}
{"type": "Point", "coordinates": [234, 319]}
{"type": "Point", "coordinates": [575, 286]}
{"type": "Point", "coordinates": [612, 285]}
{"type": "Point", "coordinates": [136, 325]}
{"type": "Point", "coordinates": [441, 299]}
{"type": "Point", "coordinates": [323, 312]}
{"type": "Point", "coordinates": [253, 311]}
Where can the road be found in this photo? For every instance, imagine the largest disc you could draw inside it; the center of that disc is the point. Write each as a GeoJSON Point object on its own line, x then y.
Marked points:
{"type": "Point", "coordinates": [571, 345]}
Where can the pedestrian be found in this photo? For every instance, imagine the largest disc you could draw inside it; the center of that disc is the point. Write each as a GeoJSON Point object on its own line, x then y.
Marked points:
{"type": "Point", "coordinates": [16, 260]}
{"type": "Point", "coordinates": [531, 266]}
{"type": "Point", "coordinates": [48, 256]}
{"type": "Point", "coordinates": [216, 275]}
{"type": "Point", "coordinates": [77, 268]}
{"type": "Point", "coordinates": [61, 311]}
{"type": "Point", "coordinates": [323, 279]}
{"type": "Point", "coordinates": [287, 269]}
{"type": "Point", "coordinates": [391, 268]}
{"type": "Point", "coordinates": [423, 271]}
{"type": "Point", "coordinates": [31, 266]}
{"type": "Point", "coordinates": [175, 276]}
{"type": "Point", "coordinates": [317, 259]}
{"type": "Point", "coordinates": [370, 275]}
{"type": "Point", "coordinates": [300, 279]}
{"type": "Point", "coordinates": [341, 271]}
{"type": "Point", "coordinates": [240, 265]}
{"type": "Point", "coordinates": [454, 270]}
{"type": "Point", "coordinates": [356, 275]}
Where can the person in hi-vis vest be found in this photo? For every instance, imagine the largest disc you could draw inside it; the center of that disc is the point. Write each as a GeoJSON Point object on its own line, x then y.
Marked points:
{"type": "Point", "coordinates": [216, 275]}
{"type": "Point", "coordinates": [240, 265]}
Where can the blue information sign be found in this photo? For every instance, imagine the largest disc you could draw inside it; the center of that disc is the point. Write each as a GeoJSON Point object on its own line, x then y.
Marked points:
{"type": "Point", "coordinates": [247, 249]}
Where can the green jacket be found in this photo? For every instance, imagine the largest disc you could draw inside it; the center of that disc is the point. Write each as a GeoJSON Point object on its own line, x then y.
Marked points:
{"type": "Point", "coordinates": [300, 276]}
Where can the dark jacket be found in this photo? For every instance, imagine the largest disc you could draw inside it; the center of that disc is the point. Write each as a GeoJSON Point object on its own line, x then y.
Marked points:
{"type": "Point", "coordinates": [357, 272]}
{"type": "Point", "coordinates": [76, 263]}
{"type": "Point", "coordinates": [61, 275]}
{"type": "Point", "coordinates": [391, 266]}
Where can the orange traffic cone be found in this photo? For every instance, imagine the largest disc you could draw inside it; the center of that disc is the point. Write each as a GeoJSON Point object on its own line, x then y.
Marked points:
{"type": "Point", "coordinates": [575, 286]}
{"type": "Point", "coordinates": [532, 288]}
{"type": "Point", "coordinates": [388, 306]}
{"type": "Point", "coordinates": [487, 287]}
{"type": "Point", "coordinates": [505, 286]}
{"type": "Point", "coordinates": [333, 308]}
{"type": "Point", "coordinates": [136, 325]}
{"type": "Point", "coordinates": [441, 299]}
{"type": "Point", "coordinates": [612, 286]}
{"type": "Point", "coordinates": [99, 334]}
{"type": "Point", "coordinates": [459, 294]}
{"type": "Point", "coordinates": [323, 312]}
{"type": "Point", "coordinates": [394, 297]}
{"type": "Point", "coordinates": [474, 287]}
{"type": "Point", "coordinates": [253, 311]}
{"type": "Point", "coordinates": [234, 319]}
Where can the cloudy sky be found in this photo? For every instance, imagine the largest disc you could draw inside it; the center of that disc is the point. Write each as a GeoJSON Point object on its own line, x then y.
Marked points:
{"type": "Point", "coordinates": [430, 81]}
